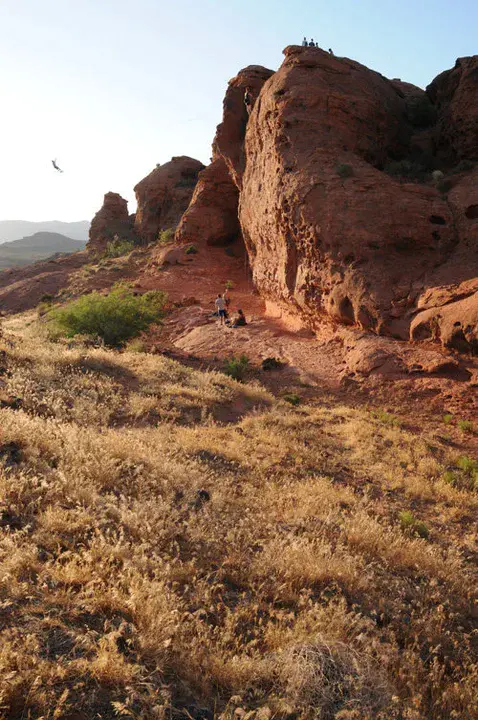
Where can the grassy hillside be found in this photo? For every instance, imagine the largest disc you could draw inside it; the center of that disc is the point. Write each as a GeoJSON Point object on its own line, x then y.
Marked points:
{"type": "Point", "coordinates": [36, 247]}
{"type": "Point", "coordinates": [177, 544]}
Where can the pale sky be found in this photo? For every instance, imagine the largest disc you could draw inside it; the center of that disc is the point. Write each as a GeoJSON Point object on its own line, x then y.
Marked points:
{"type": "Point", "coordinates": [111, 87]}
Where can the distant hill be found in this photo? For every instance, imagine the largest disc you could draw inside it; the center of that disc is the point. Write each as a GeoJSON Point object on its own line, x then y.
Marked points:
{"type": "Point", "coordinates": [14, 229]}
{"type": "Point", "coordinates": [36, 247]}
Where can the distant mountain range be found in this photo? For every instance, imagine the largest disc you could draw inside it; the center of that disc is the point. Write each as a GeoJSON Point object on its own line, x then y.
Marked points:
{"type": "Point", "coordinates": [15, 229]}
{"type": "Point", "coordinates": [36, 247]}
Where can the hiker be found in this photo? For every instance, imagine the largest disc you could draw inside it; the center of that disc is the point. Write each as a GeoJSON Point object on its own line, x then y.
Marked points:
{"type": "Point", "coordinates": [221, 309]}
{"type": "Point", "coordinates": [331, 52]}
{"type": "Point", "coordinates": [248, 100]}
{"type": "Point", "coordinates": [312, 43]}
{"type": "Point", "coordinates": [226, 297]}
{"type": "Point", "coordinates": [240, 320]}
{"type": "Point", "coordinates": [304, 42]}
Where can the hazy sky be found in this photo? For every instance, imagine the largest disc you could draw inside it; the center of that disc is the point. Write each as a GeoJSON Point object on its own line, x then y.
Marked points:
{"type": "Point", "coordinates": [111, 87]}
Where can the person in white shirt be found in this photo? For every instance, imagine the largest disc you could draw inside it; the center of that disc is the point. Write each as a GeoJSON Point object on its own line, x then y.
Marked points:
{"type": "Point", "coordinates": [221, 308]}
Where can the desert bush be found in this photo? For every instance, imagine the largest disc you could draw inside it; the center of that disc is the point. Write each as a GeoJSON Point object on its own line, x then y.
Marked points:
{"type": "Point", "coordinates": [411, 525]}
{"type": "Point", "coordinates": [292, 398]}
{"type": "Point", "coordinates": [344, 170]}
{"type": "Point", "coordinates": [191, 250]}
{"type": "Point", "coordinates": [409, 169]}
{"type": "Point", "coordinates": [271, 363]}
{"type": "Point", "coordinates": [115, 317]}
{"type": "Point", "coordinates": [386, 418]}
{"type": "Point", "coordinates": [229, 284]}
{"type": "Point", "coordinates": [118, 247]}
{"type": "Point", "coordinates": [421, 112]}
{"type": "Point", "coordinates": [166, 236]}
{"type": "Point", "coordinates": [236, 367]}
{"type": "Point", "coordinates": [448, 419]}
{"type": "Point", "coordinates": [445, 185]}
{"type": "Point", "coordinates": [465, 426]}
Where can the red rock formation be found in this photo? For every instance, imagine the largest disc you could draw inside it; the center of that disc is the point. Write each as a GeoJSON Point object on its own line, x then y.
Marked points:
{"type": "Point", "coordinates": [112, 219]}
{"type": "Point", "coordinates": [164, 195]}
{"type": "Point", "coordinates": [326, 230]}
{"type": "Point", "coordinates": [212, 214]}
{"type": "Point", "coordinates": [455, 94]}
{"type": "Point", "coordinates": [231, 132]}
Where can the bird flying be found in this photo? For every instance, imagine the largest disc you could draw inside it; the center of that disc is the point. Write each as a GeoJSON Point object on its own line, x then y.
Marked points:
{"type": "Point", "coordinates": [53, 162]}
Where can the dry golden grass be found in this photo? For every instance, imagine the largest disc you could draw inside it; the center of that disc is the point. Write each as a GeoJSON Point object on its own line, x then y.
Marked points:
{"type": "Point", "coordinates": [175, 543]}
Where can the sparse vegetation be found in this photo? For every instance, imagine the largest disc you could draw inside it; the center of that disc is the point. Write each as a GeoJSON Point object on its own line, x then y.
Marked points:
{"type": "Point", "coordinates": [115, 318]}
{"type": "Point", "coordinates": [237, 367]}
{"type": "Point", "coordinates": [166, 237]}
{"type": "Point", "coordinates": [229, 285]}
{"type": "Point", "coordinates": [466, 426]}
{"type": "Point", "coordinates": [292, 398]}
{"type": "Point", "coordinates": [344, 170]}
{"type": "Point", "coordinates": [174, 544]}
{"type": "Point", "coordinates": [191, 250]}
{"type": "Point", "coordinates": [386, 418]}
{"type": "Point", "coordinates": [448, 419]}
{"type": "Point", "coordinates": [118, 247]}
{"type": "Point", "coordinates": [271, 363]}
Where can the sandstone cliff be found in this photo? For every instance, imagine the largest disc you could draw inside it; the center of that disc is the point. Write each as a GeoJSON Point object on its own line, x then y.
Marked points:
{"type": "Point", "coordinates": [326, 229]}
{"type": "Point", "coordinates": [164, 195]}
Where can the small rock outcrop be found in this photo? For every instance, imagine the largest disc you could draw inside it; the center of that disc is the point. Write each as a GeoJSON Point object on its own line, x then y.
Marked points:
{"type": "Point", "coordinates": [212, 214]}
{"type": "Point", "coordinates": [164, 195]}
{"type": "Point", "coordinates": [110, 221]}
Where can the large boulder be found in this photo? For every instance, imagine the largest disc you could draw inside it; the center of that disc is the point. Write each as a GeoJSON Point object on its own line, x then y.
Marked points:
{"type": "Point", "coordinates": [326, 230]}
{"type": "Point", "coordinates": [455, 94]}
{"type": "Point", "coordinates": [110, 221]}
{"type": "Point", "coordinates": [164, 195]}
{"type": "Point", "coordinates": [212, 214]}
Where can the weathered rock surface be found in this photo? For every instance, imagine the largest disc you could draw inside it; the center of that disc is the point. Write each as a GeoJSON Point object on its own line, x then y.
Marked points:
{"type": "Point", "coordinates": [455, 94]}
{"type": "Point", "coordinates": [230, 134]}
{"type": "Point", "coordinates": [326, 230]}
{"type": "Point", "coordinates": [212, 214]}
{"type": "Point", "coordinates": [112, 219]}
{"type": "Point", "coordinates": [164, 195]}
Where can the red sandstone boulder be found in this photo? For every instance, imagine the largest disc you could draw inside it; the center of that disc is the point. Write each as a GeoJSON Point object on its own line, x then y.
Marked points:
{"type": "Point", "coordinates": [164, 195]}
{"type": "Point", "coordinates": [110, 221]}
{"type": "Point", "coordinates": [326, 231]}
{"type": "Point", "coordinates": [212, 214]}
{"type": "Point", "coordinates": [455, 94]}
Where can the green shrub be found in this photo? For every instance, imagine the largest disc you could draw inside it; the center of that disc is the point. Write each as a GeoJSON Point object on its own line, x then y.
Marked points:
{"type": "Point", "coordinates": [236, 367]}
{"type": "Point", "coordinates": [229, 284]}
{"type": "Point", "coordinates": [166, 236]}
{"type": "Point", "coordinates": [445, 185]}
{"type": "Point", "coordinates": [465, 426]}
{"type": "Point", "coordinates": [386, 418]}
{"type": "Point", "coordinates": [115, 318]}
{"type": "Point", "coordinates": [421, 112]}
{"type": "Point", "coordinates": [292, 398]}
{"type": "Point", "coordinates": [271, 363]}
{"type": "Point", "coordinates": [191, 250]}
{"type": "Point", "coordinates": [344, 170]}
{"type": "Point", "coordinates": [448, 419]}
{"type": "Point", "coordinates": [117, 247]}
{"type": "Point", "coordinates": [411, 525]}
{"type": "Point", "coordinates": [467, 464]}
{"type": "Point", "coordinates": [465, 476]}
{"type": "Point", "coordinates": [463, 166]}
{"type": "Point", "coordinates": [409, 169]}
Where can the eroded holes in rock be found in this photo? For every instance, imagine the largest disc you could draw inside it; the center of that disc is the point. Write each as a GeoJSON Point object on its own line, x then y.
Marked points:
{"type": "Point", "coordinates": [349, 258]}
{"type": "Point", "coordinates": [405, 244]}
{"type": "Point", "coordinates": [472, 212]}
{"type": "Point", "coordinates": [346, 310]}
{"type": "Point", "coordinates": [437, 220]}
{"type": "Point", "coordinates": [456, 324]}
